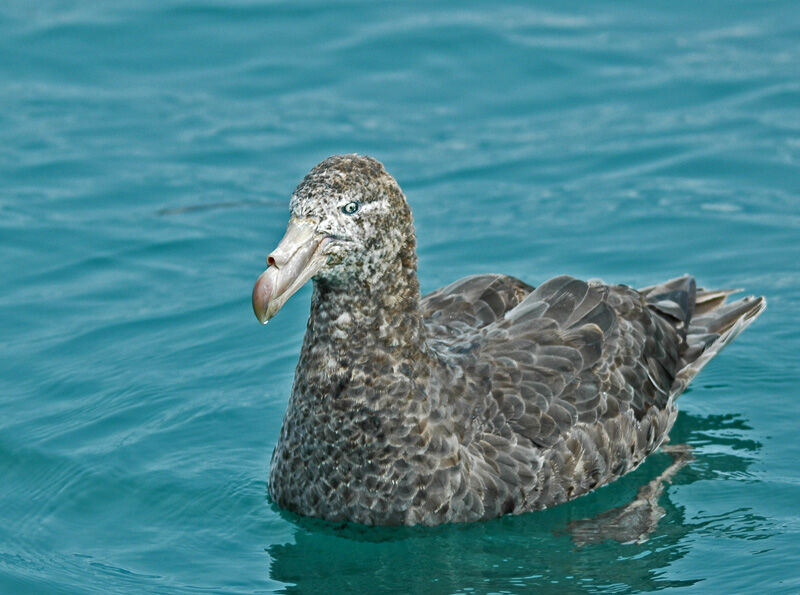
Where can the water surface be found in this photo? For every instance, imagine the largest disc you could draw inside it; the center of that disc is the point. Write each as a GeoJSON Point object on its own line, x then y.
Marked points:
{"type": "Point", "coordinates": [147, 153]}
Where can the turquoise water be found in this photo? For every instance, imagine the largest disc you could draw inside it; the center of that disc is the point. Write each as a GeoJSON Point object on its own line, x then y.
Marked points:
{"type": "Point", "coordinates": [147, 153]}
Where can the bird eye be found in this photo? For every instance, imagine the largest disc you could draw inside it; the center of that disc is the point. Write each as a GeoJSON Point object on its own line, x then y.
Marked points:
{"type": "Point", "coordinates": [350, 208]}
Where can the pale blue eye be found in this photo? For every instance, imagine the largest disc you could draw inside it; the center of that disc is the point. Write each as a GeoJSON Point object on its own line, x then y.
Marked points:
{"type": "Point", "coordinates": [350, 208]}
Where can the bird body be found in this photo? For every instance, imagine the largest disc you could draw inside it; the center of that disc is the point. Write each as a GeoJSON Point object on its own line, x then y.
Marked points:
{"type": "Point", "coordinates": [483, 398]}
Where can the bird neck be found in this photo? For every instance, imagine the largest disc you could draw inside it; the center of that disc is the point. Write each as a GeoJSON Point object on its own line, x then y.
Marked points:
{"type": "Point", "coordinates": [381, 311]}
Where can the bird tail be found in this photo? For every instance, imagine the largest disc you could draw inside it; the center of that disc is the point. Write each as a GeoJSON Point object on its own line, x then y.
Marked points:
{"type": "Point", "coordinates": [707, 319]}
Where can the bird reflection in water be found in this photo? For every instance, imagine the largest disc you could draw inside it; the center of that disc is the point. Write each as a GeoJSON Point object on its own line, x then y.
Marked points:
{"type": "Point", "coordinates": [637, 520]}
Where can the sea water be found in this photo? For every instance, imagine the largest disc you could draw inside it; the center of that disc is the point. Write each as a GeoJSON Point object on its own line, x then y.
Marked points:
{"type": "Point", "coordinates": [147, 154]}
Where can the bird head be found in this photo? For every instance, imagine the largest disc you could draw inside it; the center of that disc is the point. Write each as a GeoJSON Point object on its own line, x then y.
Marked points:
{"type": "Point", "coordinates": [349, 222]}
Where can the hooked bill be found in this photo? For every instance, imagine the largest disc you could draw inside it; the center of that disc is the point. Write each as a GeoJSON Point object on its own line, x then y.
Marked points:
{"type": "Point", "coordinates": [297, 258]}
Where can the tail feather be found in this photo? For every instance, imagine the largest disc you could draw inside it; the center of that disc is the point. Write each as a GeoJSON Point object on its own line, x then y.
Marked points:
{"type": "Point", "coordinates": [708, 300]}
{"type": "Point", "coordinates": [703, 318]}
{"type": "Point", "coordinates": [714, 325]}
{"type": "Point", "coordinates": [675, 298]}
{"type": "Point", "coordinates": [723, 317]}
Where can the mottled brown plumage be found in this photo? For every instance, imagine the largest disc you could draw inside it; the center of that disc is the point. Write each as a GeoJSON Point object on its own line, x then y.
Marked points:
{"type": "Point", "coordinates": [486, 397]}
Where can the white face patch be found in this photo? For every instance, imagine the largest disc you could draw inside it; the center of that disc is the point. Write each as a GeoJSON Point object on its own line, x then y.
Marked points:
{"type": "Point", "coordinates": [362, 243]}
{"type": "Point", "coordinates": [377, 205]}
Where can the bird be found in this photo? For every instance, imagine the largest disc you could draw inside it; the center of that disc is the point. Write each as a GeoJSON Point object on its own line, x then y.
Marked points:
{"type": "Point", "coordinates": [484, 398]}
